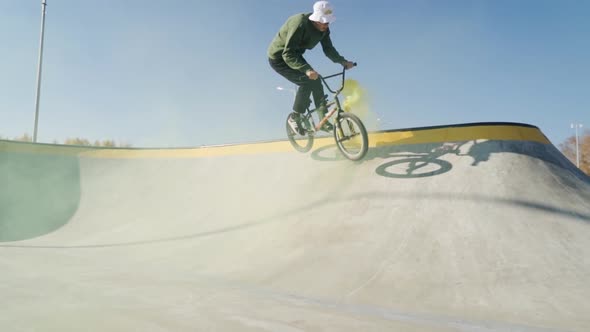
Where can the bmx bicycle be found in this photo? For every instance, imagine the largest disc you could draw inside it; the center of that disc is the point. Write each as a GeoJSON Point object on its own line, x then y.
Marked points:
{"type": "Point", "coordinates": [349, 131]}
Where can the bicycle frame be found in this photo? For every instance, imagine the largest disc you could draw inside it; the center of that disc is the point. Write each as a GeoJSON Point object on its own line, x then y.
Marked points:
{"type": "Point", "coordinates": [335, 96]}
{"type": "Point", "coordinates": [349, 131]}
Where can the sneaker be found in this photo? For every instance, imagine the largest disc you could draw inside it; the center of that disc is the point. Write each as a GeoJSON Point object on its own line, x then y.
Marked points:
{"type": "Point", "coordinates": [295, 123]}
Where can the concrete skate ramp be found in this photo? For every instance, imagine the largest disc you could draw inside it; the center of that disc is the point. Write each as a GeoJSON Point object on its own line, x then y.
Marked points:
{"type": "Point", "coordinates": [476, 227]}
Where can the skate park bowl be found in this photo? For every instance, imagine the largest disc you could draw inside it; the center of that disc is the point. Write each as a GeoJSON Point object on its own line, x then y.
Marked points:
{"type": "Point", "coordinates": [467, 227]}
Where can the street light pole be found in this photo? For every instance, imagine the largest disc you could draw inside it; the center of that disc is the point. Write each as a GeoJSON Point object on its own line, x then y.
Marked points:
{"type": "Point", "coordinates": [577, 125]}
{"type": "Point", "coordinates": [40, 65]}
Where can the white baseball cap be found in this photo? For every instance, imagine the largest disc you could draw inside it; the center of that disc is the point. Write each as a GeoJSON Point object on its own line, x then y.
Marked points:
{"type": "Point", "coordinates": [322, 12]}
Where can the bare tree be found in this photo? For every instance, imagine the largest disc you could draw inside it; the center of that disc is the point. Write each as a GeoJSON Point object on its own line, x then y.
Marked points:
{"type": "Point", "coordinates": [568, 148]}
{"type": "Point", "coordinates": [24, 138]}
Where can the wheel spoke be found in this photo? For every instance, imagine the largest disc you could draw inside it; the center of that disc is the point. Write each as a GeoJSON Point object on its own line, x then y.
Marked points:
{"type": "Point", "coordinates": [351, 137]}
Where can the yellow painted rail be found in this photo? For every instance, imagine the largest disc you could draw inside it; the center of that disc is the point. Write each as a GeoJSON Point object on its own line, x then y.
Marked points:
{"type": "Point", "coordinates": [452, 133]}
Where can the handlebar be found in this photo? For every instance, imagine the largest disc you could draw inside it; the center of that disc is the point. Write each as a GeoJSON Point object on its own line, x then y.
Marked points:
{"type": "Point", "coordinates": [324, 78]}
{"type": "Point", "coordinates": [354, 64]}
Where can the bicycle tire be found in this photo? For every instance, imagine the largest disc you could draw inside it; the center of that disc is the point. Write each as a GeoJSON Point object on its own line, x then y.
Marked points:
{"type": "Point", "coordinates": [351, 136]}
{"type": "Point", "coordinates": [301, 143]}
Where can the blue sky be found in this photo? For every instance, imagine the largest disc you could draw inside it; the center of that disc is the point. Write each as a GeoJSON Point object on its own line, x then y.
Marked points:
{"type": "Point", "coordinates": [190, 73]}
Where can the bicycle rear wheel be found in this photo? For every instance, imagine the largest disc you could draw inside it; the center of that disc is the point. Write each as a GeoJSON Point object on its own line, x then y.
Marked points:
{"type": "Point", "coordinates": [351, 136]}
{"type": "Point", "coordinates": [301, 143]}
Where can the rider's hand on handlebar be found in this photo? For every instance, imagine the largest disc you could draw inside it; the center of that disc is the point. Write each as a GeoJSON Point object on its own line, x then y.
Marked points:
{"type": "Point", "coordinates": [312, 74]}
{"type": "Point", "coordinates": [348, 64]}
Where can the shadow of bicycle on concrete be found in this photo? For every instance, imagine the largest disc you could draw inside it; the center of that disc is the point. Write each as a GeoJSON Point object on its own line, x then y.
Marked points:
{"type": "Point", "coordinates": [423, 160]}
{"type": "Point", "coordinates": [414, 161]}
{"type": "Point", "coordinates": [406, 161]}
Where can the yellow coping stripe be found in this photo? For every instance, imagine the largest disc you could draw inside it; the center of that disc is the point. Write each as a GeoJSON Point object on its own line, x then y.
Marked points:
{"type": "Point", "coordinates": [412, 136]}
{"type": "Point", "coordinates": [454, 134]}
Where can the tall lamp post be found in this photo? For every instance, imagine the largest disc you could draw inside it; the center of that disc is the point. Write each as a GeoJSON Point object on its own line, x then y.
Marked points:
{"type": "Point", "coordinates": [40, 65]}
{"type": "Point", "coordinates": [577, 125]}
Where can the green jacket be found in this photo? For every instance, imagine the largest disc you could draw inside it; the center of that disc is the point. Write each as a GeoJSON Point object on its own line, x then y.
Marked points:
{"type": "Point", "coordinates": [295, 37]}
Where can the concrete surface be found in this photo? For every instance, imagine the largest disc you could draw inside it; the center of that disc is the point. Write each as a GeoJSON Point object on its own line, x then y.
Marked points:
{"type": "Point", "coordinates": [459, 228]}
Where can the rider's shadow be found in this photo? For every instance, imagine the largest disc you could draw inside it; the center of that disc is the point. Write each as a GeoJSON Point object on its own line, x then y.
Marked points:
{"type": "Point", "coordinates": [548, 154]}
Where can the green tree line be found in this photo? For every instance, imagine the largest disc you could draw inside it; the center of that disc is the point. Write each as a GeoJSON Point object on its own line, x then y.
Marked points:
{"type": "Point", "coordinates": [75, 141]}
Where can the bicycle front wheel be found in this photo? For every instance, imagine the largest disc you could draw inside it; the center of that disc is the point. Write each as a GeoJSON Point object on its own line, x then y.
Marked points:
{"type": "Point", "coordinates": [351, 136]}
{"type": "Point", "coordinates": [301, 143]}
